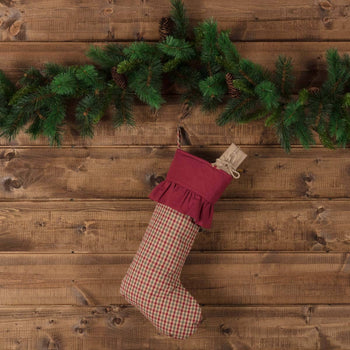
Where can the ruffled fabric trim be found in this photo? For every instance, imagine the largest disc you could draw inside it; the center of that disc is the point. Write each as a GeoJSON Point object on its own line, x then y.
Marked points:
{"type": "Point", "coordinates": [192, 186]}
{"type": "Point", "coordinates": [185, 201]}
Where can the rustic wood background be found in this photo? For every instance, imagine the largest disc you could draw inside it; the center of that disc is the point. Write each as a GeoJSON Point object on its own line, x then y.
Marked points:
{"type": "Point", "coordinates": [272, 273]}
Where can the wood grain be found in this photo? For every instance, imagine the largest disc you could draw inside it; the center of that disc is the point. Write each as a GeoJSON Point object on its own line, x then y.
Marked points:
{"type": "Point", "coordinates": [132, 172]}
{"type": "Point", "coordinates": [108, 327]}
{"type": "Point", "coordinates": [71, 219]}
{"type": "Point", "coordinates": [118, 226]}
{"type": "Point", "coordinates": [122, 20]}
{"type": "Point", "coordinates": [265, 278]}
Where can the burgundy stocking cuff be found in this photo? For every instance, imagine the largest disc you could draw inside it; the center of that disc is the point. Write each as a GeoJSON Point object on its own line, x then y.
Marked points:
{"type": "Point", "coordinates": [192, 187]}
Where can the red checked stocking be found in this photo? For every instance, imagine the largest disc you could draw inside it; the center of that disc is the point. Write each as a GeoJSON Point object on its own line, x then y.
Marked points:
{"type": "Point", "coordinates": [152, 283]}
{"type": "Point", "coordinates": [185, 201]}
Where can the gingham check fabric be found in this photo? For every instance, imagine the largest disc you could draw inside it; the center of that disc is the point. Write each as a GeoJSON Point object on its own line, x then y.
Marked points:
{"type": "Point", "coordinates": [152, 282]}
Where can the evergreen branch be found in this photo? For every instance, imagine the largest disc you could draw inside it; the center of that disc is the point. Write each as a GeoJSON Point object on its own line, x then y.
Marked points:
{"type": "Point", "coordinates": [291, 112]}
{"type": "Point", "coordinates": [53, 123]}
{"type": "Point", "coordinates": [227, 48]}
{"type": "Point", "coordinates": [250, 71]}
{"type": "Point", "coordinates": [142, 52]}
{"type": "Point", "coordinates": [268, 94]}
{"type": "Point", "coordinates": [126, 66]}
{"type": "Point", "coordinates": [284, 135]}
{"type": "Point", "coordinates": [177, 48]}
{"type": "Point", "coordinates": [7, 88]}
{"type": "Point", "coordinates": [108, 56]}
{"type": "Point", "coordinates": [52, 69]}
{"type": "Point", "coordinates": [199, 67]}
{"type": "Point", "coordinates": [32, 76]}
{"type": "Point", "coordinates": [213, 86]}
{"type": "Point", "coordinates": [237, 109]}
{"type": "Point", "coordinates": [206, 35]}
{"type": "Point", "coordinates": [171, 65]}
{"type": "Point", "coordinates": [87, 74]}
{"type": "Point", "coordinates": [180, 19]}
{"type": "Point", "coordinates": [241, 85]}
{"type": "Point", "coordinates": [284, 75]}
{"type": "Point", "coordinates": [146, 83]}
{"type": "Point", "coordinates": [64, 84]}
{"type": "Point", "coordinates": [123, 103]}
{"type": "Point", "coordinates": [89, 111]}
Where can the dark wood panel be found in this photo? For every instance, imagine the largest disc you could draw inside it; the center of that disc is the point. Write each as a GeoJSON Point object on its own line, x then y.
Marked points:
{"type": "Point", "coordinates": [121, 20]}
{"type": "Point", "coordinates": [131, 172]}
{"type": "Point", "coordinates": [212, 278]}
{"type": "Point", "coordinates": [116, 226]}
{"type": "Point", "coordinates": [116, 327]}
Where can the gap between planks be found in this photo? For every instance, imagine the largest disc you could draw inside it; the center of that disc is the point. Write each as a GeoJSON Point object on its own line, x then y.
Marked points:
{"type": "Point", "coordinates": [169, 146]}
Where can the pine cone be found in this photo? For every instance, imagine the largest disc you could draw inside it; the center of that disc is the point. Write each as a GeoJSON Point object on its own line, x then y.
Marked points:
{"type": "Point", "coordinates": [120, 79]}
{"type": "Point", "coordinates": [313, 89]}
{"type": "Point", "coordinates": [166, 26]}
{"type": "Point", "coordinates": [233, 92]}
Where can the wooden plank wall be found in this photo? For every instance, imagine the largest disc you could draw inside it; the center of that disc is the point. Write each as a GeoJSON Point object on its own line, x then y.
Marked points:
{"type": "Point", "coordinates": [272, 273]}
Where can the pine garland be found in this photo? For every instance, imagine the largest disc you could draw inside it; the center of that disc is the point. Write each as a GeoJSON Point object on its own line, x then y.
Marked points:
{"type": "Point", "coordinates": [203, 63]}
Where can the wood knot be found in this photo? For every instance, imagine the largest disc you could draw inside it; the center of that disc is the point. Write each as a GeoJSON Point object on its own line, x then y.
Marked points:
{"type": "Point", "coordinates": [79, 330]}
{"type": "Point", "coordinates": [139, 36]}
{"type": "Point", "coordinates": [108, 309]}
{"type": "Point", "coordinates": [185, 138]}
{"type": "Point", "coordinates": [344, 11]}
{"type": "Point", "coordinates": [9, 155]}
{"type": "Point", "coordinates": [320, 210]}
{"type": "Point", "coordinates": [107, 12]}
{"type": "Point", "coordinates": [16, 28]}
{"type": "Point", "coordinates": [280, 166]}
{"type": "Point", "coordinates": [84, 321]}
{"type": "Point", "coordinates": [308, 313]}
{"type": "Point", "coordinates": [117, 321]}
{"type": "Point", "coordinates": [328, 22]}
{"type": "Point", "coordinates": [159, 179]}
{"type": "Point", "coordinates": [270, 228]}
{"type": "Point", "coordinates": [320, 240]}
{"type": "Point", "coordinates": [305, 184]}
{"type": "Point", "coordinates": [16, 183]}
{"type": "Point", "coordinates": [202, 229]}
{"type": "Point", "coordinates": [225, 330]}
{"type": "Point", "coordinates": [82, 229]}
{"type": "Point", "coordinates": [325, 5]}
{"type": "Point", "coordinates": [308, 178]}
{"type": "Point", "coordinates": [110, 35]}
{"type": "Point", "coordinates": [155, 180]}
{"type": "Point", "coordinates": [9, 184]}
{"type": "Point", "coordinates": [8, 3]}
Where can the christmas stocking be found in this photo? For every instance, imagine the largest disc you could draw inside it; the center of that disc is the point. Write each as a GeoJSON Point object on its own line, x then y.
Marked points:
{"type": "Point", "coordinates": [185, 203]}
